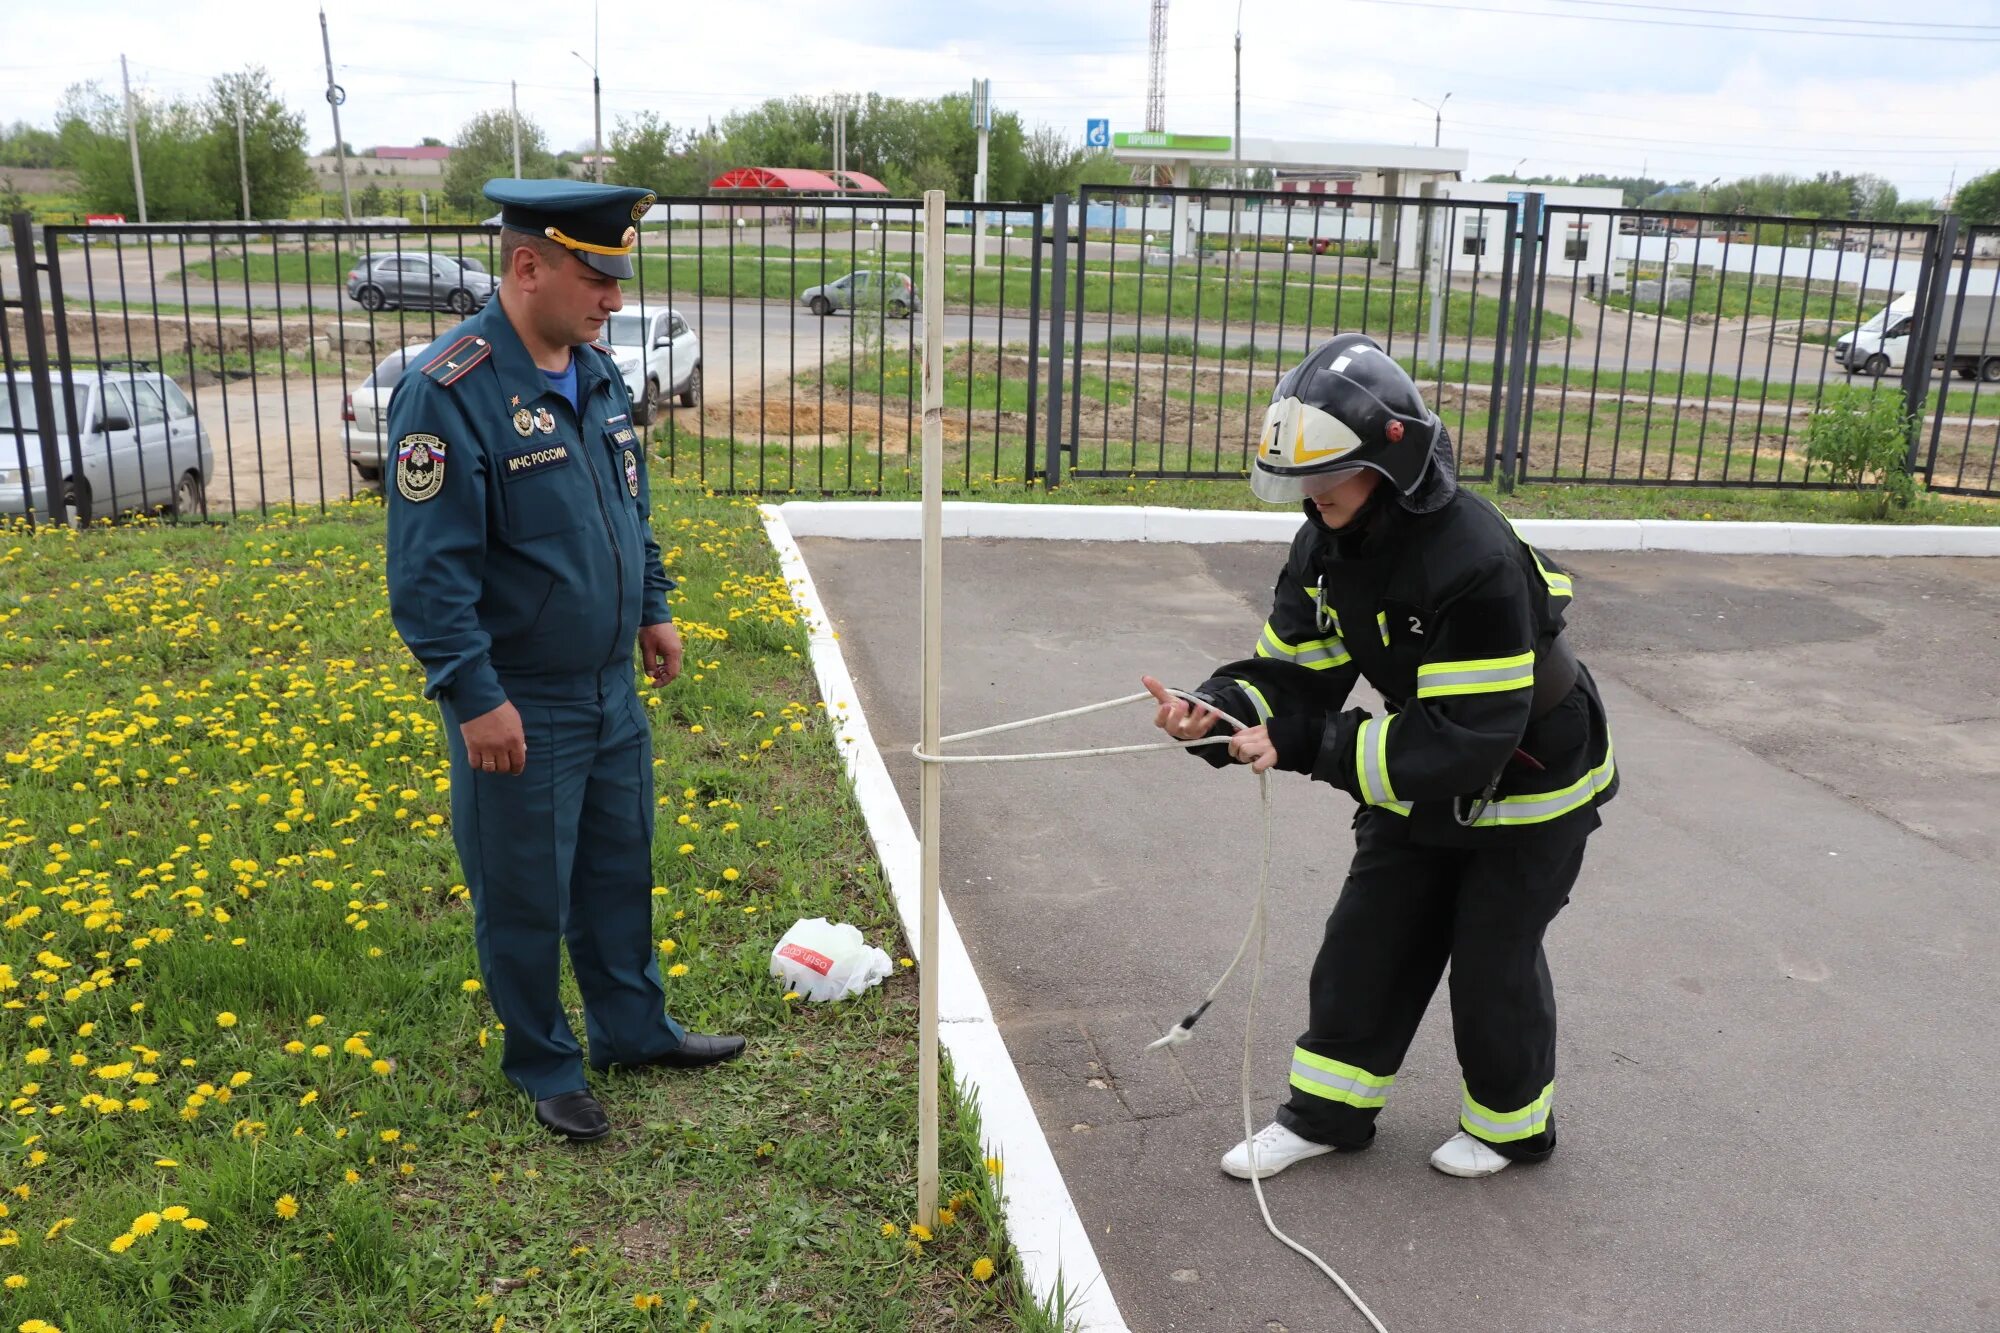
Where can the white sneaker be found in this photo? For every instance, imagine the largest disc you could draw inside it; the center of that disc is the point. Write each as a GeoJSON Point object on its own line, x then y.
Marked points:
{"type": "Point", "coordinates": [1464, 1156]}
{"type": "Point", "coordinates": [1276, 1148]}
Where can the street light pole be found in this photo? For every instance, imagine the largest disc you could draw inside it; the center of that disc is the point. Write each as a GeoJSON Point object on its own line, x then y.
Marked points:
{"type": "Point", "coordinates": [597, 113]}
{"type": "Point", "coordinates": [1437, 113]}
{"type": "Point", "coordinates": [242, 155]}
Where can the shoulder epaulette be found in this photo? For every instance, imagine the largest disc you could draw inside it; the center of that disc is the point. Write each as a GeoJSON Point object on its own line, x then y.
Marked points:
{"type": "Point", "coordinates": [460, 356]}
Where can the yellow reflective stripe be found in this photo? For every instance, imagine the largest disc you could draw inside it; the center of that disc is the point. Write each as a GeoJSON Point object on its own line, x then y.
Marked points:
{"type": "Point", "coordinates": [1315, 654]}
{"type": "Point", "coordinates": [1257, 701]}
{"type": "Point", "coordinates": [1338, 1081]}
{"type": "Point", "coordinates": [1483, 675]}
{"type": "Point", "coordinates": [1539, 808]}
{"type": "Point", "coordinates": [1560, 585]}
{"type": "Point", "coordinates": [1371, 762]}
{"type": "Point", "coordinates": [1382, 623]}
{"type": "Point", "coordinates": [1506, 1126]}
{"type": "Point", "coordinates": [1277, 646]}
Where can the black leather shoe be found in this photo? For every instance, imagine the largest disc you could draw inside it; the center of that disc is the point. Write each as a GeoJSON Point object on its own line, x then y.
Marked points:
{"type": "Point", "coordinates": [574, 1115]}
{"type": "Point", "coordinates": [697, 1051]}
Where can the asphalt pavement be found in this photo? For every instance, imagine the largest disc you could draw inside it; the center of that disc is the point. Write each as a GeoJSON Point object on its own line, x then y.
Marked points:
{"type": "Point", "coordinates": [1778, 1083]}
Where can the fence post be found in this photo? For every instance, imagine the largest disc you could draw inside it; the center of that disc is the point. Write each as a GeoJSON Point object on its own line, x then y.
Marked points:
{"type": "Point", "coordinates": [1058, 300]}
{"type": "Point", "coordinates": [36, 341]}
{"type": "Point", "coordinates": [1034, 342]}
{"type": "Point", "coordinates": [1925, 322]}
{"type": "Point", "coordinates": [1523, 279]}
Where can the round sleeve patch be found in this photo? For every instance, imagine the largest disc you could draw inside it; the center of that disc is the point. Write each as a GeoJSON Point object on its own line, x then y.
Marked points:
{"type": "Point", "coordinates": [419, 467]}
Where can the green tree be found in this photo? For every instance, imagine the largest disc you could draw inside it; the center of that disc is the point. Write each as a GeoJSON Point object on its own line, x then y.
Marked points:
{"type": "Point", "coordinates": [274, 145]}
{"type": "Point", "coordinates": [30, 146]}
{"type": "Point", "coordinates": [485, 150]}
{"type": "Point", "coordinates": [641, 147]}
{"type": "Point", "coordinates": [1978, 200]}
{"type": "Point", "coordinates": [92, 127]}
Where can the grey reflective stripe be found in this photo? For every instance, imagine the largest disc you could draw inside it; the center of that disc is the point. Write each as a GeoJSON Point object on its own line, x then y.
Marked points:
{"type": "Point", "coordinates": [1371, 760]}
{"type": "Point", "coordinates": [1538, 809]}
{"type": "Point", "coordinates": [1532, 1121]}
{"type": "Point", "coordinates": [1372, 1093]}
{"type": "Point", "coordinates": [1332, 652]}
{"type": "Point", "coordinates": [1257, 700]}
{"type": "Point", "coordinates": [1511, 676]}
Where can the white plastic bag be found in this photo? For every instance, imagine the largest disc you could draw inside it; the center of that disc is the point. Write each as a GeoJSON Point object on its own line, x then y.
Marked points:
{"type": "Point", "coordinates": [824, 961]}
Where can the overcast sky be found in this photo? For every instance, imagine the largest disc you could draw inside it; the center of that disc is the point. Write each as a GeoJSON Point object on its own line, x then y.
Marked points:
{"type": "Point", "coordinates": [1685, 89]}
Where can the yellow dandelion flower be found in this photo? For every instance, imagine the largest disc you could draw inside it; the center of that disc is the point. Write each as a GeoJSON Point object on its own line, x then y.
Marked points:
{"type": "Point", "coordinates": [61, 1226]}
{"type": "Point", "coordinates": [982, 1269]}
{"type": "Point", "coordinates": [145, 1224]}
{"type": "Point", "coordinates": [732, 874]}
{"type": "Point", "coordinates": [381, 1067]}
{"type": "Point", "coordinates": [890, 1230]}
{"type": "Point", "coordinates": [165, 1161]}
{"type": "Point", "coordinates": [647, 1301]}
{"type": "Point", "coordinates": [123, 1243]}
{"type": "Point", "coordinates": [225, 1019]}
{"type": "Point", "coordinates": [309, 1097]}
{"type": "Point", "coordinates": [678, 970]}
{"type": "Point", "coordinates": [994, 1166]}
{"type": "Point", "coordinates": [174, 1214]}
{"type": "Point", "coordinates": [194, 1224]}
{"type": "Point", "coordinates": [469, 986]}
{"type": "Point", "coordinates": [239, 1078]}
{"type": "Point", "coordinates": [38, 1056]}
{"type": "Point", "coordinates": [391, 1135]}
{"type": "Point", "coordinates": [669, 945]}
{"type": "Point", "coordinates": [920, 1231]}
{"type": "Point", "coordinates": [287, 1207]}
{"type": "Point", "coordinates": [315, 1020]}
{"type": "Point", "coordinates": [15, 1282]}
{"type": "Point", "coordinates": [295, 1048]}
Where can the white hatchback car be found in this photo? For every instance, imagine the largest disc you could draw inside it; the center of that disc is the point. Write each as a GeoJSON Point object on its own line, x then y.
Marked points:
{"type": "Point", "coordinates": [659, 356]}
{"type": "Point", "coordinates": [365, 412]}
{"type": "Point", "coordinates": [138, 443]}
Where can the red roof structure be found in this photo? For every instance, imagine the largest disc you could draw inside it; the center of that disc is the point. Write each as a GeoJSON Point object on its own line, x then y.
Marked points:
{"type": "Point", "coordinates": [794, 180]}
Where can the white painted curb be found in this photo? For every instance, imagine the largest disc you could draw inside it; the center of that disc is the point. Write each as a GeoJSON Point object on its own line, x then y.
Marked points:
{"type": "Point", "coordinates": [899, 520]}
{"type": "Point", "coordinates": [1042, 1221]}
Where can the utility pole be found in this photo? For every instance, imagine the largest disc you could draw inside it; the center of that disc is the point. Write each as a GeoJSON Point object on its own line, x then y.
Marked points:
{"type": "Point", "coordinates": [982, 120]}
{"type": "Point", "coordinates": [597, 103]}
{"type": "Point", "coordinates": [514, 106]}
{"type": "Point", "coordinates": [132, 140]}
{"type": "Point", "coordinates": [1237, 141]}
{"type": "Point", "coordinates": [335, 95]}
{"type": "Point", "coordinates": [242, 155]}
{"type": "Point", "coordinates": [596, 91]}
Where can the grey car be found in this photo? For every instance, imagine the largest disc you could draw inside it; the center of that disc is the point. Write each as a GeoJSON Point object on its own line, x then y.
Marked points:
{"type": "Point", "coordinates": [139, 443]}
{"type": "Point", "coordinates": [865, 289]}
{"type": "Point", "coordinates": [365, 411]}
{"type": "Point", "coordinates": [416, 280]}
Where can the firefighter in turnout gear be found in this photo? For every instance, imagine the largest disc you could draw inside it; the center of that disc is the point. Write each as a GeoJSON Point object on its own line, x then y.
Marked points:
{"type": "Point", "coordinates": [1476, 787]}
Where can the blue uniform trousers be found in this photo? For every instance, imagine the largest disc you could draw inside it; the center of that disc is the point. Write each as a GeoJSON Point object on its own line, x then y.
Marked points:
{"type": "Point", "coordinates": [563, 852]}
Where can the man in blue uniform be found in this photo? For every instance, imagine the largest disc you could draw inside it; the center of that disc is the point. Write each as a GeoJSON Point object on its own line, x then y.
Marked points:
{"type": "Point", "coordinates": [522, 567]}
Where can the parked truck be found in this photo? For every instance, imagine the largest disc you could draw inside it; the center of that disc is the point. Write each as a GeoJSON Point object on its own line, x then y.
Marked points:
{"type": "Point", "coordinates": [1880, 345]}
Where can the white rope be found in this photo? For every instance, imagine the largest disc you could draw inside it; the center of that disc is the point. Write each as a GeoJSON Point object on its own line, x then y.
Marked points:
{"type": "Point", "coordinates": [1183, 1030]}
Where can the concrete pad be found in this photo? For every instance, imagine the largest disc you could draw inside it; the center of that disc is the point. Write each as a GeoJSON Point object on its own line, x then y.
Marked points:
{"type": "Point", "coordinates": [1778, 1080]}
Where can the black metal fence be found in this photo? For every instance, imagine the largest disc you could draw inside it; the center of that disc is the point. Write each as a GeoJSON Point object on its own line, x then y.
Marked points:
{"type": "Point", "coordinates": [770, 345]}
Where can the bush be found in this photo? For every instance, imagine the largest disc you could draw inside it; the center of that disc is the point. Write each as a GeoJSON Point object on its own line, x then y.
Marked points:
{"type": "Point", "coordinates": [1862, 439]}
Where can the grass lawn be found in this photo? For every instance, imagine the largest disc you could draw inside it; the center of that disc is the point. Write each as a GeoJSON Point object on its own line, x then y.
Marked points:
{"type": "Point", "coordinates": [254, 1079]}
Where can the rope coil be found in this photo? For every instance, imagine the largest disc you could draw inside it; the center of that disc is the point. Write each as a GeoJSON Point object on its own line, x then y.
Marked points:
{"type": "Point", "coordinates": [1183, 1030]}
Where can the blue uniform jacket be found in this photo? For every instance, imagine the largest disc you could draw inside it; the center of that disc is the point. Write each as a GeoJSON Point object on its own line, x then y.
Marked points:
{"type": "Point", "coordinates": [521, 557]}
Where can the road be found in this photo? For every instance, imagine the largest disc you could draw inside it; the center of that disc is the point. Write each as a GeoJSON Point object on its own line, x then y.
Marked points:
{"type": "Point", "coordinates": [1778, 1085]}
{"type": "Point", "coordinates": [134, 278]}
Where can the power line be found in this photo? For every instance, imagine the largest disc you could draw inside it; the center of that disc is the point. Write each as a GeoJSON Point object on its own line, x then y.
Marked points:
{"type": "Point", "coordinates": [1789, 18]}
{"type": "Point", "coordinates": [1670, 23]}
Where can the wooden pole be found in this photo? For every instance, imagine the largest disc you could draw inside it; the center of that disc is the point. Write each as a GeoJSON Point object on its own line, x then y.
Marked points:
{"type": "Point", "coordinates": [932, 790]}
